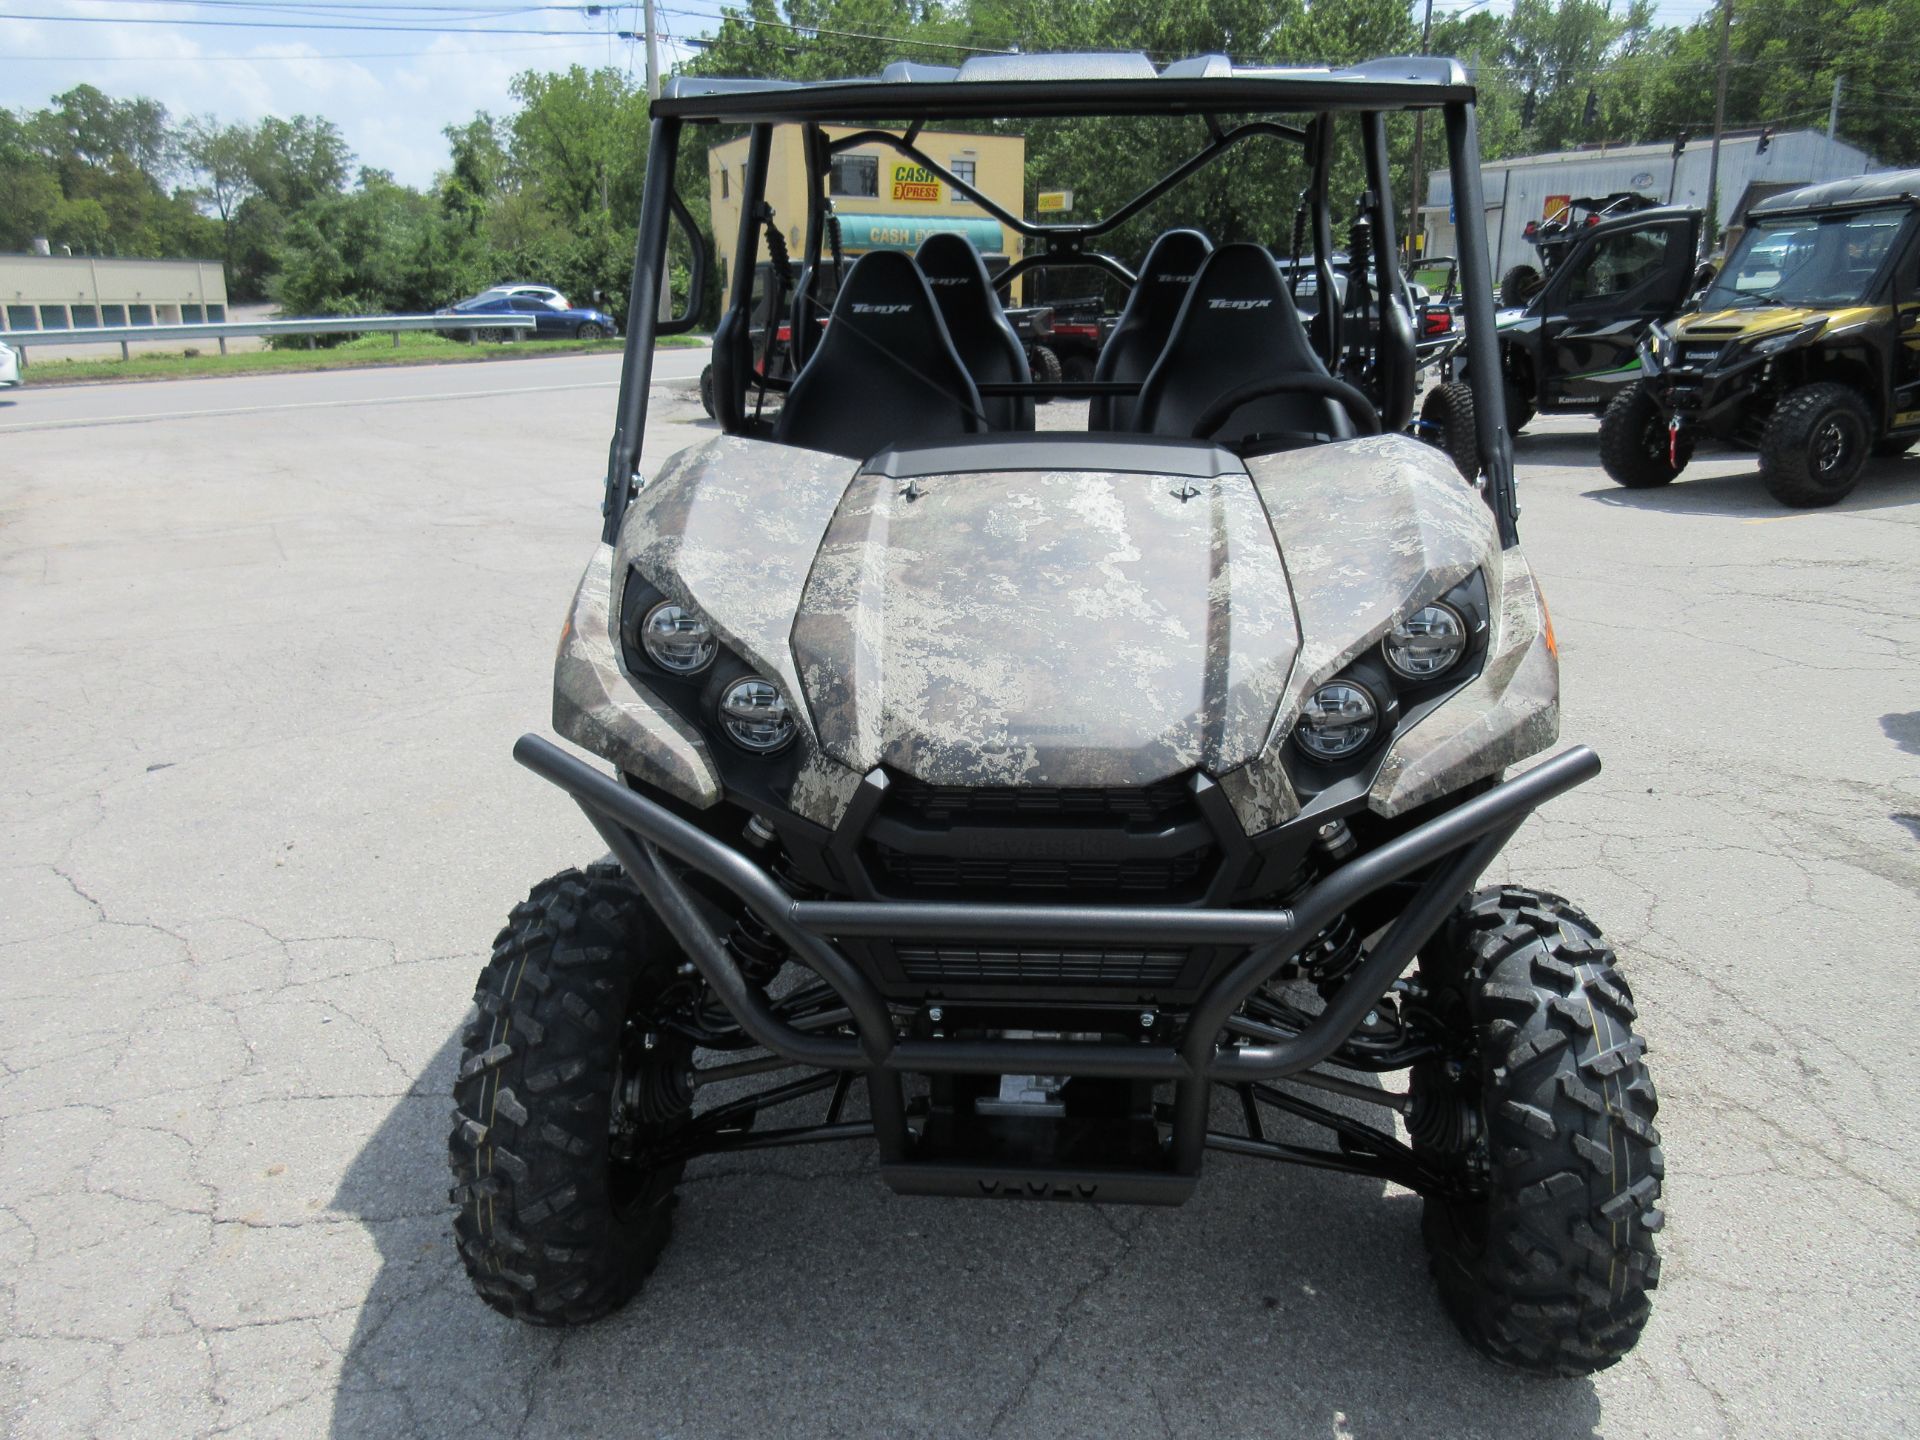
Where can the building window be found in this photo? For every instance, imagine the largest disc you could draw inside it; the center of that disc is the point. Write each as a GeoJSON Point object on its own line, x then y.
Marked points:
{"type": "Point", "coordinates": [85, 317]}
{"type": "Point", "coordinates": [216, 314]}
{"type": "Point", "coordinates": [962, 170]}
{"type": "Point", "coordinates": [725, 192]}
{"type": "Point", "coordinates": [22, 317]}
{"type": "Point", "coordinates": [192, 315]}
{"type": "Point", "coordinates": [53, 317]}
{"type": "Point", "coordinates": [856, 175]}
{"type": "Point", "coordinates": [140, 314]}
{"type": "Point", "coordinates": [113, 314]}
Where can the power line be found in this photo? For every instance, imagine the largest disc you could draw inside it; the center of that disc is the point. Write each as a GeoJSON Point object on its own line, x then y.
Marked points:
{"type": "Point", "coordinates": [290, 55]}
{"type": "Point", "coordinates": [280, 25]}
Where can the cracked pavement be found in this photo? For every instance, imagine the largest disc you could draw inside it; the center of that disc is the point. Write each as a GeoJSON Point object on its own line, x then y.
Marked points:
{"type": "Point", "coordinates": [267, 645]}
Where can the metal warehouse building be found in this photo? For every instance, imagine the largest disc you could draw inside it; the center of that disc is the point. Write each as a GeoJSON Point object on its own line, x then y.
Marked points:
{"type": "Point", "coordinates": [1531, 187]}
{"type": "Point", "coordinates": [58, 292]}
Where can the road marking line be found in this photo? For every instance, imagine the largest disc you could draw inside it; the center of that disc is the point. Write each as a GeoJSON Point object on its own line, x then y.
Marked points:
{"type": "Point", "coordinates": [83, 423]}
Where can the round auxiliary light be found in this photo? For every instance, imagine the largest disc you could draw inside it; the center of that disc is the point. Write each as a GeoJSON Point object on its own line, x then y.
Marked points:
{"type": "Point", "coordinates": [755, 716]}
{"type": "Point", "coordinates": [1337, 720]}
{"type": "Point", "coordinates": [677, 640]}
{"type": "Point", "coordinates": [1427, 643]}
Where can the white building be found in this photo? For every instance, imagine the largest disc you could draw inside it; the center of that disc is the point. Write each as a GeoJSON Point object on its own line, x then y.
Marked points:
{"type": "Point", "coordinates": [1523, 188]}
{"type": "Point", "coordinates": [58, 292]}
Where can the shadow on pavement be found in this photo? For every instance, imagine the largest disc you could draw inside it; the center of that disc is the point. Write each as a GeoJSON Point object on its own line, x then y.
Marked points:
{"type": "Point", "coordinates": [1883, 484]}
{"type": "Point", "coordinates": [800, 1297]}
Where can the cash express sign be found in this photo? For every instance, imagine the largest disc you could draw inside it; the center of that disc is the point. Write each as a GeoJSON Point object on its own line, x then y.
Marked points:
{"type": "Point", "coordinates": [916, 183]}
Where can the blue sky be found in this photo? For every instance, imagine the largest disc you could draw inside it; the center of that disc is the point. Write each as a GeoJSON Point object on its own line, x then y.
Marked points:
{"type": "Point", "coordinates": [389, 75]}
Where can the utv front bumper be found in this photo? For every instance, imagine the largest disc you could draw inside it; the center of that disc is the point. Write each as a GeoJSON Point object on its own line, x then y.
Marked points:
{"type": "Point", "coordinates": [1443, 858]}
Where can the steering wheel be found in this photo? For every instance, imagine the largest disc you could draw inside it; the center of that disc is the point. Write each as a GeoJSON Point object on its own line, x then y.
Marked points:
{"type": "Point", "coordinates": [1359, 408]}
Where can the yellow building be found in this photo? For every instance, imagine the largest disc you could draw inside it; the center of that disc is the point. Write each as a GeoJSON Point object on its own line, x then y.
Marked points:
{"type": "Point", "coordinates": [885, 200]}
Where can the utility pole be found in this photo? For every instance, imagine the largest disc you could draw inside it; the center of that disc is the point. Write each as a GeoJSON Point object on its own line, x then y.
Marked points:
{"type": "Point", "coordinates": [1419, 154]}
{"type": "Point", "coordinates": [1719, 123]}
{"type": "Point", "coordinates": [1833, 124]}
{"type": "Point", "coordinates": [653, 57]}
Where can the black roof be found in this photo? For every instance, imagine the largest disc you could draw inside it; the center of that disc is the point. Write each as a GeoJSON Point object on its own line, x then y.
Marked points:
{"type": "Point", "coordinates": [1013, 86]}
{"type": "Point", "coordinates": [1854, 190]}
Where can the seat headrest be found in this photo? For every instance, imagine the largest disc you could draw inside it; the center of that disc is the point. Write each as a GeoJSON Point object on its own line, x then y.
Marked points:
{"type": "Point", "coordinates": [884, 293]}
{"type": "Point", "coordinates": [1240, 290]}
{"type": "Point", "coordinates": [1171, 264]}
{"type": "Point", "coordinates": [947, 259]}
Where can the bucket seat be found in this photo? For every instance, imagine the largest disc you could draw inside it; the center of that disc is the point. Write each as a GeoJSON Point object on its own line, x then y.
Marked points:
{"type": "Point", "coordinates": [884, 369]}
{"type": "Point", "coordinates": [981, 332]}
{"type": "Point", "coordinates": [1141, 332]}
{"type": "Point", "coordinates": [1238, 325]}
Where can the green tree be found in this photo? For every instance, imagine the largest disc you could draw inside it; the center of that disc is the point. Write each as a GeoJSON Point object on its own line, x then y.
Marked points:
{"type": "Point", "coordinates": [579, 140]}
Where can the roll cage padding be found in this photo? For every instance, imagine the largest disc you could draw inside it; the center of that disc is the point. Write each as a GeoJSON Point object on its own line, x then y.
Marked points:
{"type": "Point", "coordinates": [884, 368]}
{"type": "Point", "coordinates": [1141, 332]}
{"type": "Point", "coordinates": [980, 330]}
{"type": "Point", "coordinates": [1238, 325]}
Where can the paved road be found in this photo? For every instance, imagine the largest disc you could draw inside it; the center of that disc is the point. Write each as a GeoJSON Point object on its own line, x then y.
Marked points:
{"type": "Point", "coordinates": [262, 664]}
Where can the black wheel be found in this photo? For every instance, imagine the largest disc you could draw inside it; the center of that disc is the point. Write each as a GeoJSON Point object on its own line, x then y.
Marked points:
{"type": "Point", "coordinates": [1446, 422]}
{"type": "Point", "coordinates": [1543, 1119]}
{"type": "Point", "coordinates": [1636, 448]}
{"type": "Point", "coordinates": [1892, 447]}
{"type": "Point", "coordinates": [706, 391]}
{"type": "Point", "coordinates": [563, 1088]}
{"type": "Point", "coordinates": [488, 336]}
{"type": "Point", "coordinates": [1519, 285]}
{"type": "Point", "coordinates": [1815, 442]}
{"type": "Point", "coordinates": [591, 330]}
{"type": "Point", "coordinates": [1519, 407]}
{"type": "Point", "coordinates": [1044, 364]}
{"type": "Point", "coordinates": [1077, 367]}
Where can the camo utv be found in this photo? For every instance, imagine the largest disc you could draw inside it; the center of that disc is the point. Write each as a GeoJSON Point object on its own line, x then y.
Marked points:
{"type": "Point", "coordinates": [1058, 807]}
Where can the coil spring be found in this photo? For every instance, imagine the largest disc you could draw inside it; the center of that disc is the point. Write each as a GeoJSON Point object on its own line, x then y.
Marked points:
{"type": "Point", "coordinates": [1336, 949]}
{"type": "Point", "coordinates": [755, 948]}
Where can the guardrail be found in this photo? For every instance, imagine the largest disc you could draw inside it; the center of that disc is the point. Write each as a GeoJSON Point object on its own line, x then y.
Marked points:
{"type": "Point", "coordinates": [20, 340]}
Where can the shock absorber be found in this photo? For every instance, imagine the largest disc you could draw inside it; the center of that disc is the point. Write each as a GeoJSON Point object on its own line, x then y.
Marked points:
{"type": "Point", "coordinates": [755, 948]}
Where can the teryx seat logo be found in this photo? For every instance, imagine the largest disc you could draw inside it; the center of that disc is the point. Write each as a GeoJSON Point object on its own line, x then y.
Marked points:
{"type": "Point", "coordinates": [1238, 304]}
{"type": "Point", "coordinates": [860, 308]}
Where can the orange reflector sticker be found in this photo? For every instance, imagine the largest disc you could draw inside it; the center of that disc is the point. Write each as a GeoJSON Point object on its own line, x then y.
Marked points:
{"type": "Point", "coordinates": [1546, 623]}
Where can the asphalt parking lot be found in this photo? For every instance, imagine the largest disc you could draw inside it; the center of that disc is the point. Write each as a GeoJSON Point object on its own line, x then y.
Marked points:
{"type": "Point", "coordinates": [267, 643]}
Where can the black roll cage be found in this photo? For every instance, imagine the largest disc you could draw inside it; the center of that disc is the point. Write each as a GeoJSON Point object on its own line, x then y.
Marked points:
{"type": "Point", "coordinates": [763, 105]}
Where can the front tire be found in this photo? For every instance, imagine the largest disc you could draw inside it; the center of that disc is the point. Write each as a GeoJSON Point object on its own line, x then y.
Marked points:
{"type": "Point", "coordinates": [590, 331]}
{"type": "Point", "coordinates": [1814, 445]}
{"type": "Point", "coordinates": [1446, 422]}
{"type": "Point", "coordinates": [556, 1226]}
{"type": "Point", "coordinates": [706, 391]}
{"type": "Point", "coordinates": [1636, 449]}
{"type": "Point", "coordinates": [1044, 364]}
{"type": "Point", "coordinates": [1545, 1255]}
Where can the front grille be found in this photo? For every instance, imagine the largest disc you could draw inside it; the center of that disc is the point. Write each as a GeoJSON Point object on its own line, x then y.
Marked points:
{"type": "Point", "coordinates": [1147, 876]}
{"type": "Point", "coordinates": [943, 804]}
{"type": "Point", "coordinates": [944, 964]}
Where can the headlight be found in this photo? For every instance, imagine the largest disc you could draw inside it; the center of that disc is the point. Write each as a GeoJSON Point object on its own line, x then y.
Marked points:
{"type": "Point", "coordinates": [676, 640]}
{"type": "Point", "coordinates": [754, 714]}
{"type": "Point", "coordinates": [1774, 344]}
{"type": "Point", "coordinates": [1427, 643]}
{"type": "Point", "coordinates": [1337, 720]}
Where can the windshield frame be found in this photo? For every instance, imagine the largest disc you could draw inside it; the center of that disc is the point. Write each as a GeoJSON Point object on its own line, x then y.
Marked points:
{"type": "Point", "coordinates": [1722, 294]}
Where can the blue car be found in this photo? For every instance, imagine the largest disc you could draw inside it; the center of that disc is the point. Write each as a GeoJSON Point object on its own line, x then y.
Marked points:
{"type": "Point", "coordinates": [552, 313]}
